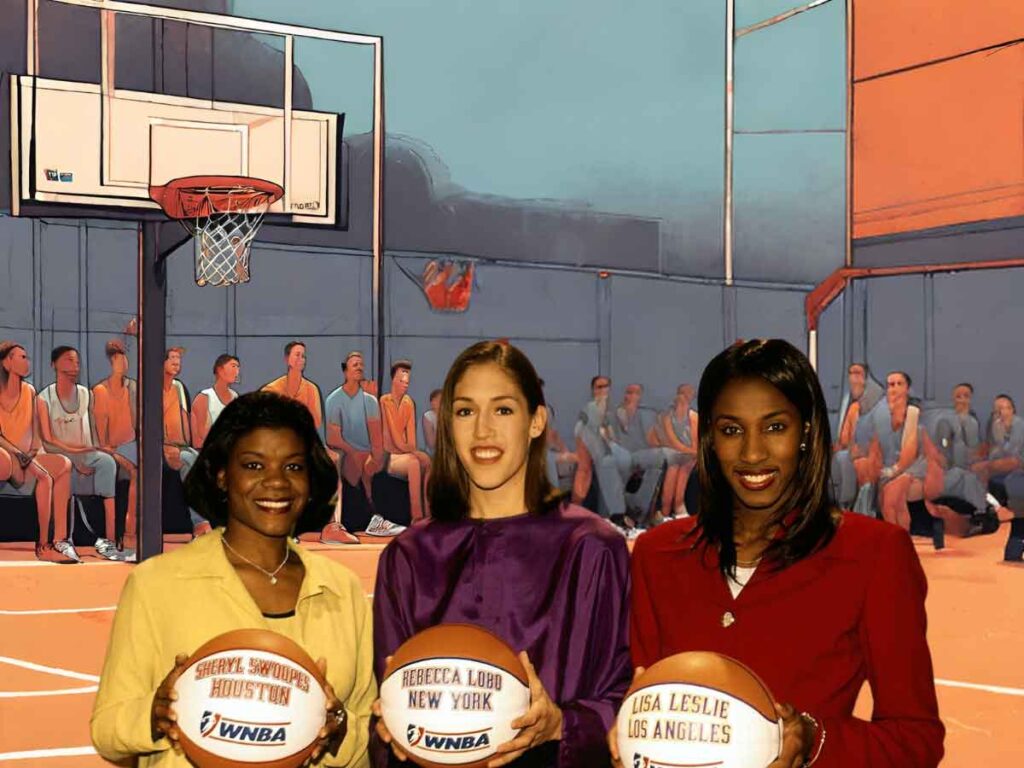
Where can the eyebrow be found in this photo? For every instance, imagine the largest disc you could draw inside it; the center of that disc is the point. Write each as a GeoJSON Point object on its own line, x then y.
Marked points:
{"type": "Point", "coordinates": [258, 455]}
{"type": "Point", "coordinates": [493, 399]}
{"type": "Point", "coordinates": [767, 416]}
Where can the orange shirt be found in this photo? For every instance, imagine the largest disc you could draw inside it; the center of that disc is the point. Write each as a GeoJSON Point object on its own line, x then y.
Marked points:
{"type": "Point", "coordinates": [16, 424]}
{"type": "Point", "coordinates": [118, 413]}
{"type": "Point", "coordinates": [308, 395]}
{"type": "Point", "coordinates": [397, 417]}
{"type": "Point", "coordinates": [174, 425]}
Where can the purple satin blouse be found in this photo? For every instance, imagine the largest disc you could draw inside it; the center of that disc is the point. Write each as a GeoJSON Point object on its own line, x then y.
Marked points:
{"type": "Point", "coordinates": [555, 585]}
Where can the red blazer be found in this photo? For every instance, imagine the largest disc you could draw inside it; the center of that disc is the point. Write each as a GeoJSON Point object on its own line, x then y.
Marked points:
{"type": "Point", "coordinates": [814, 632]}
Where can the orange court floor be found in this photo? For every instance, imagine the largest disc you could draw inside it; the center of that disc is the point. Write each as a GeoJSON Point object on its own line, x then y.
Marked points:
{"type": "Point", "coordinates": [54, 622]}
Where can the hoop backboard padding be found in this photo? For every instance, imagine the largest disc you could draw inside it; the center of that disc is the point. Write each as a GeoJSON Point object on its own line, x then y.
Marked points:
{"type": "Point", "coordinates": [223, 213]}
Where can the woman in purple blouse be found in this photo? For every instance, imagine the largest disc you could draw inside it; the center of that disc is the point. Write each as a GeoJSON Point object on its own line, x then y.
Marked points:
{"type": "Point", "coordinates": [504, 551]}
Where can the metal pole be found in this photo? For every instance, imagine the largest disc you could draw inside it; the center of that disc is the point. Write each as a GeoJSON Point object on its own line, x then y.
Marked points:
{"type": "Point", "coordinates": [730, 60]}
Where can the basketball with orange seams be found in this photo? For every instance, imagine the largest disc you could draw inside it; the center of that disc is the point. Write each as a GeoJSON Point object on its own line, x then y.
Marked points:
{"type": "Point", "coordinates": [450, 693]}
{"type": "Point", "coordinates": [698, 709]}
{"type": "Point", "coordinates": [250, 697]}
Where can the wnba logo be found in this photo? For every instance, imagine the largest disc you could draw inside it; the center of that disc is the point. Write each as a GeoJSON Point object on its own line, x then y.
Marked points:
{"type": "Point", "coordinates": [452, 743]}
{"type": "Point", "coordinates": [208, 722]}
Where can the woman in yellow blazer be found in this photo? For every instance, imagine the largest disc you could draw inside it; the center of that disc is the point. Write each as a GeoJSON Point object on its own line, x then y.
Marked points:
{"type": "Point", "coordinates": [262, 472]}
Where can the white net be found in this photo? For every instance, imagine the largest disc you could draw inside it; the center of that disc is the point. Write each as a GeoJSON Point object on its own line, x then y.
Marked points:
{"type": "Point", "coordinates": [223, 238]}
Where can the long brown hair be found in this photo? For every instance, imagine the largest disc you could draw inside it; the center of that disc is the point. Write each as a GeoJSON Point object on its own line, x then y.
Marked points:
{"type": "Point", "coordinates": [787, 369]}
{"type": "Point", "coordinates": [448, 487]}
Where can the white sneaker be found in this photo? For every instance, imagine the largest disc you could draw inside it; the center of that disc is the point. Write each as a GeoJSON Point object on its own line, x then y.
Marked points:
{"type": "Point", "coordinates": [67, 549]}
{"type": "Point", "coordinates": [107, 549]}
{"type": "Point", "coordinates": [380, 527]}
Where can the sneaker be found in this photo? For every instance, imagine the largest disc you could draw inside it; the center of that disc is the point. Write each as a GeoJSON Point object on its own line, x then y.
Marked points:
{"type": "Point", "coordinates": [107, 549]}
{"type": "Point", "coordinates": [48, 553]}
{"type": "Point", "coordinates": [380, 527]}
{"type": "Point", "coordinates": [335, 533]}
{"type": "Point", "coordinates": [127, 555]}
{"type": "Point", "coordinates": [201, 529]}
{"type": "Point", "coordinates": [66, 548]}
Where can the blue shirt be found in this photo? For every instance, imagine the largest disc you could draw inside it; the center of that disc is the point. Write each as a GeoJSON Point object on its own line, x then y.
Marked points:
{"type": "Point", "coordinates": [352, 414]}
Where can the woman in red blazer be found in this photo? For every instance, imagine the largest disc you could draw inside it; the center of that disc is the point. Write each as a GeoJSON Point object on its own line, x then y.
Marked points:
{"type": "Point", "coordinates": [771, 573]}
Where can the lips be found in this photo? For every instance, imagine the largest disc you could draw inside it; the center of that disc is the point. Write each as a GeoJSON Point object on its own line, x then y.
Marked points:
{"type": "Point", "coordinates": [757, 481]}
{"type": "Point", "coordinates": [274, 506]}
{"type": "Point", "coordinates": [486, 454]}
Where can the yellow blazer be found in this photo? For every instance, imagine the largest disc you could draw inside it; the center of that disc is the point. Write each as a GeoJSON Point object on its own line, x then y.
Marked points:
{"type": "Point", "coordinates": [174, 603]}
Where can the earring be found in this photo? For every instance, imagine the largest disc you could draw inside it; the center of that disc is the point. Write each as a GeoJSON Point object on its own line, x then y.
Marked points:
{"type": "Point", "coordinates": [803, 447]}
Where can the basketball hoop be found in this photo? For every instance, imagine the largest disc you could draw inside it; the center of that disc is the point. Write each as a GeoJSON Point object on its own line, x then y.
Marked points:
{"type": "Point", "coordinates": [223, 213]}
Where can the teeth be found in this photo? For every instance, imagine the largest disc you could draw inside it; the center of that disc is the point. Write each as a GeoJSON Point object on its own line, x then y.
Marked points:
{"type": "Point", "coordinates": [487, 453]}
{"type": "Point", "coordinates": [274, 504]}
{"type": "Point", "coordinates": [758, 479]}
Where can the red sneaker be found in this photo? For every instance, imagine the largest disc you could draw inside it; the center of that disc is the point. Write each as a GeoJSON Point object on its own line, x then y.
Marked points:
{"type": "Point", "coordinates": [335, 533]}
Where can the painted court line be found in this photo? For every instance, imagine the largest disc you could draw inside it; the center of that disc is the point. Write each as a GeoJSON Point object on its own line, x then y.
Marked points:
{"type": "Point", "coordinates": [51, 670]}
{"type": "Point", "coordinates": [35, 754]}
{"type": "Point", "coordinates": [48, 611]}
{"type": "Point", "coordinates": [978, 687]}
{"type": "Point", "coordinates": [55, 692]}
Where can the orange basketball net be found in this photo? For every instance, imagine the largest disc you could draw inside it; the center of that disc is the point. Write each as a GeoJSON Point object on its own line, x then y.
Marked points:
{"type": "Point", "coordinates": [223, 213]}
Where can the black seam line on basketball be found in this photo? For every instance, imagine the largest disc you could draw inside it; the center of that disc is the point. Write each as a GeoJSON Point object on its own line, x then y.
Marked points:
{"type": "Point", "coordinates": [710, 688]}
{"type": "Point", "coordinates": [463, 733]}
{"type": "Point", "coordinates": [461, 658]}
{"type": "Point", "coordinates": [248, 744]}
{"type": "Point", "coordinates": [250, 722]}
{"type": "Point", "coordinates": [448, 751]}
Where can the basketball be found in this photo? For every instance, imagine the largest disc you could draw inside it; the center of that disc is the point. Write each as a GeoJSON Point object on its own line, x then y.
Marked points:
{"type": "Point", "coordinates": [250, 697]}
{"type": "Point", "coordinates": [450, 694]}
{"type": "Point", "coordinates": [698, 708]}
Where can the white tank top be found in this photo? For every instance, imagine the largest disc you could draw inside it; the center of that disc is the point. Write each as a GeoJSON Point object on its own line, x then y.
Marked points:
{"type": "Point", "coordinates": [73, 428]}
{"type": "Point", "coordinates": [214, 406]}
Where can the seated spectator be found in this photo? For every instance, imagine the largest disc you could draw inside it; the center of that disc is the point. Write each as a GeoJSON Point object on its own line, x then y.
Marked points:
{"type": "Point", "coordinates": [852, 469]}
{"type": "Point", "coordinates": [676, 432]}
{"type": "Point", "coordinates": [115, 406]}
{"type": "Point", "coordinates": [179, 454]}
{"type": "Point", "coordinates": [900, 450]}
{"type": "Point", "coordinates": [634, 455]}
{"type": "Point", "coordinates": [354, 432]}
{"type": "Point", "coordinates": [560, 461]}
{"type": "Point", "coordinates": [294, 384]}
{"type": "Point", "coordinates": [589, 432]}
{"type": "Point", "coordinates": [66, 427]}
{"type": "Point", "coordinates": [209, 403]}
{"type": "Point", "coordinates": [24, 468]}
{"type": "Point", "coordinates": [398, 413]}
{"type": "Point", "coordinates": [1005, 446]}
{"type": "Point", "coordinates": [430, 422]}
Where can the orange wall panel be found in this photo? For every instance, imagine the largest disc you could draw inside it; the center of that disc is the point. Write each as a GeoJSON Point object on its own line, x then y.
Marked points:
{"type": "Point", "coordinates": [892, 34]}
{"type": "Point", "coordinates": [940, 145]}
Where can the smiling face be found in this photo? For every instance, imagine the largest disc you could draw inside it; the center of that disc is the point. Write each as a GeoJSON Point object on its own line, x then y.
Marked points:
{"type": "Point", "coordinates": [17, 362]}
{"type": "Point", "coordinates": [492, 427]}
{"type": "Point", "coordinates": [756, 439]}
{"type": "Point", "coordinates": [267, 481]}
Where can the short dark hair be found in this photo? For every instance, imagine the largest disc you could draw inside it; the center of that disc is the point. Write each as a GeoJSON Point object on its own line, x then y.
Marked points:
{"type": "Point", "coordinates": [904, 374]}
{"type": "Point", "coordinates": [257, 410]}
{"type": "Point", "coordinates": [964, 384]}
{"type": "Point", "coordinates": [291, 345]}
{"type": "Point", "coordinates": [115, 347]}
{"type": "Point", "coordinates": [434, 393]}
{"type": "Point", "coordinates": [1008, 399]}
{"type": "Point", "coordinates": [448, 486]}
{"type": "Point", "coordinates": [55, 355]}
{"type": "Point", "coordinates": [400, 365]}
{"type": "Point", "coordinates": [786, 368]}
{"type": "Point", "coordinates": [597, 378]}
{"type": "Point", "coordinates": [179, 350]}
{"type": "Point", "coordinates": [867, 370]}
{"type": "Point", "coordinates": [223, 360]}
